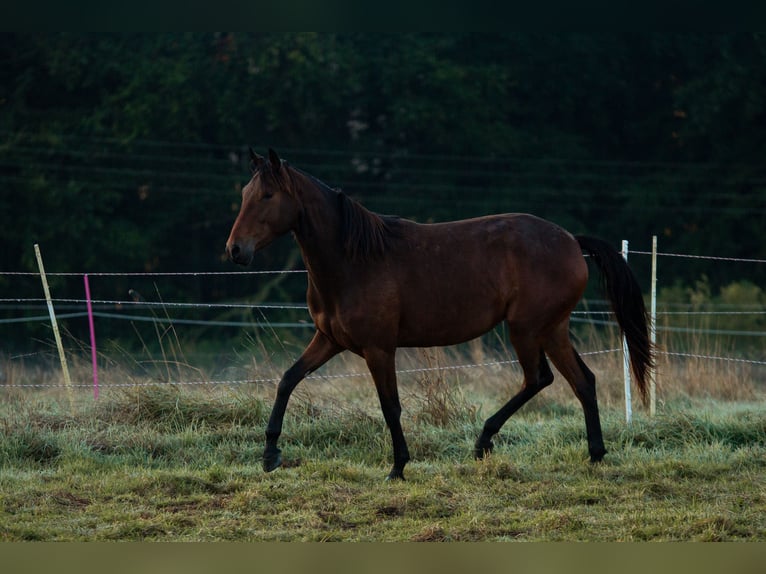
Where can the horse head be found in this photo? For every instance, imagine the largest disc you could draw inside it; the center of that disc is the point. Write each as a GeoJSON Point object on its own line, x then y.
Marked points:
{"type": "Point", "coordinates": [269, 208]}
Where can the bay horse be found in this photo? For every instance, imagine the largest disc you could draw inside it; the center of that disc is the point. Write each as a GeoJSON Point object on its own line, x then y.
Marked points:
{"type": "Point", "coordinates": [379, 282]}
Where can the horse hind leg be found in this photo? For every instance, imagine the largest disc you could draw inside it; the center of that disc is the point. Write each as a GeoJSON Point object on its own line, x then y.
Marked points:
{"type": "Point", "coordinates": [583, 382]}
{"type": "Point", "coordinates": [537, 376]}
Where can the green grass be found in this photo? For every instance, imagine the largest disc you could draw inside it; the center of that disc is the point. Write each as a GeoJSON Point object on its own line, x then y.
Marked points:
{"type": "Point", "coordinates": [161, 463]}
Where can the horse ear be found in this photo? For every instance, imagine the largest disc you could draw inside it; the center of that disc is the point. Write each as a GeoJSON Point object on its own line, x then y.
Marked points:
{"type": "Point", "coordinates": [256, 161]}
{"type": "Point", "coordinates": [276, 163]}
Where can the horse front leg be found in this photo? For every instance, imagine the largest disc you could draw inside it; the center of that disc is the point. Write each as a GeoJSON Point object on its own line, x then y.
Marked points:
{"type": "Point", "coordinates": [317, 353]}
{"type": "Point", "coordinates": [383, 369]}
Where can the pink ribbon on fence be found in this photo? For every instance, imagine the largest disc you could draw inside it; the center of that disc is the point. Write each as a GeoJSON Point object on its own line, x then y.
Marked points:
{"type": "Point", "coordinates": [92, 337]}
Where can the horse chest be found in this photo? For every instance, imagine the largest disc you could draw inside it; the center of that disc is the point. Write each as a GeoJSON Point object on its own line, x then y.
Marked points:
{"type": "Point", "coordinates": [356, 326]}
{"type": "Point", "coordinates": [327, 319]}
{"type": "Point", "coordinates": [337, 330]}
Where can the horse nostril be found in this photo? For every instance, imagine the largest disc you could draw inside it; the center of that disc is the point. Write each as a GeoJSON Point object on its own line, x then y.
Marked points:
{"type": "Point", "coordinates": [240, 253]}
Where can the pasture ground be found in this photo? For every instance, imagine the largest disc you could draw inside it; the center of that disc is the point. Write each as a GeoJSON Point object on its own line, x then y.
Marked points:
{"type": "Point", "coordinates": [162, 463]}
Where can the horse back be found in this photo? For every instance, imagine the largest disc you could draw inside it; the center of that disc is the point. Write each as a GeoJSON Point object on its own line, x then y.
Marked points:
{"type": "Point", "coordinates": [446, 283]}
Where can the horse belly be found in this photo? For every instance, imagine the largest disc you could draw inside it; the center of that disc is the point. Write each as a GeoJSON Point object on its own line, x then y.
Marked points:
{"type": "Point", "coordinates": [442, 317]}
{"type": "Point", "coordinates": [440, 334]}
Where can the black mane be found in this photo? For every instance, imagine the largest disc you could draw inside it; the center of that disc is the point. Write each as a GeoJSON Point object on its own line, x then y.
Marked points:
{"type": "Point", "coordinates": [364, 235]}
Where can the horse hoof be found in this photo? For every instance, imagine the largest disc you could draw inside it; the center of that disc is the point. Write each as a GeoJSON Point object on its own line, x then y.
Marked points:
{"type": "Point", "coordinates": [482, 449]}
{"type": "Point", "coordinates": [394, 476]}
{"type": "Point", "coordinates": [272, 461]}
{"type": "Point", "coordinates": [596, 457]}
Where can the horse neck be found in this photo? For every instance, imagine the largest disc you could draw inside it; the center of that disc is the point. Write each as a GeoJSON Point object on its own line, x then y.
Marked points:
{"type": "Point", "coordinates": [318, 232]}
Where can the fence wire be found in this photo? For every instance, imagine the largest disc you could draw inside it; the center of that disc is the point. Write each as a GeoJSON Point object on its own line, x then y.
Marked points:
{"type": "Point", "coordinates": [309, 377]}
{"type": "Point", "coordinates": [585, 316]}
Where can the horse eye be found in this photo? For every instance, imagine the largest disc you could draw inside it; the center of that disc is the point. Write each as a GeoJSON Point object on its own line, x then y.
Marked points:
{"type": "Point", "coordinates": [267, 195]}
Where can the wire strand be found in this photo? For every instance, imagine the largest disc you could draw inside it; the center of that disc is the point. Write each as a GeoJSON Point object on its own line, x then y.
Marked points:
{"type": "Point", "coordinates": [707, 257]}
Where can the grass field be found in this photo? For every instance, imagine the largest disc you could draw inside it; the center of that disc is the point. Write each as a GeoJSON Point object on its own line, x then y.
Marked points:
{"type": "Point", "coordinates": [175, 464]}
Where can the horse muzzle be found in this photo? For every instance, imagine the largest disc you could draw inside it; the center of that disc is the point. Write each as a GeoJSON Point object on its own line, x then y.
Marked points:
{"type": "Point", "coordinates": [239, 253]}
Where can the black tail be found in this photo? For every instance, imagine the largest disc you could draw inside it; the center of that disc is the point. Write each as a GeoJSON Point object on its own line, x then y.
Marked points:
{"type": "Point", "coordinates": [627, 303]}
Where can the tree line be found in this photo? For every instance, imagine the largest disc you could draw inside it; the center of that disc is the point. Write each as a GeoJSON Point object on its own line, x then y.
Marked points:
{"type": "Point", "coordinates": [127, 152]}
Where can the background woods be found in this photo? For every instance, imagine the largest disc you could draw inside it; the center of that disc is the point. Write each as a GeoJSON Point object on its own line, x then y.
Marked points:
{"type": "Point", "coordinates": [127, 152]}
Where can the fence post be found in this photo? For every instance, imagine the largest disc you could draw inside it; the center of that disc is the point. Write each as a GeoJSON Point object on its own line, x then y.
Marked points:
{"type": "Point", "coordinates": [92, 327]}
{"type": "Point", "coordinates": [626, 357]}
{"type": "Point", "coordinates": [653, 331]}
{"type": "Point", "coordinates": [56, 334]}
